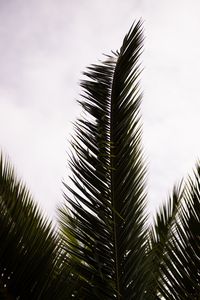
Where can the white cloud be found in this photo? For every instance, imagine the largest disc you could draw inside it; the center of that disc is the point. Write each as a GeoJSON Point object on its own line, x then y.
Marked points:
{"type": "Point", "coordinates": [44, 47]}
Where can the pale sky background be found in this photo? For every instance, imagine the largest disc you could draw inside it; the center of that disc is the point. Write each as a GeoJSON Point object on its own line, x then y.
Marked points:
{"type": "Point", "coordinates": [44, 47]}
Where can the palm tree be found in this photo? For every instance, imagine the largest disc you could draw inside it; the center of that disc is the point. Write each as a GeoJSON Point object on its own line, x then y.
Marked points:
{"type": "Point", "coordinates": [104, 247]}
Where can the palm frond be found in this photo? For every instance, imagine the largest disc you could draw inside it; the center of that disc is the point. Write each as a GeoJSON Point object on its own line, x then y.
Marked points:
{"type": "Point", "coordinates": [29, 246]}
{"type": "Point", "coordinates": [161, 233]}
{"type": "Point", "coordinates": [103, 217]}
{"type": "Point", "coordinates": [181, 268]}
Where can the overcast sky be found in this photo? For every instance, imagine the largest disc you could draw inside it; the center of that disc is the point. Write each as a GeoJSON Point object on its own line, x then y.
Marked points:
{"type": "Point", "coordinates": [44, 47]}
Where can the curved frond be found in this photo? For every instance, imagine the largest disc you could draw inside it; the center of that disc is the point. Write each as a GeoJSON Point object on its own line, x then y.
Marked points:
{"type": "Point", "coordinates": [103, 217]}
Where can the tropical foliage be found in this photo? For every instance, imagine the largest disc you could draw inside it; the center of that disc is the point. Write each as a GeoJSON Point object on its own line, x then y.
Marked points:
{"type": "Point", "coordinates": [104, 247]}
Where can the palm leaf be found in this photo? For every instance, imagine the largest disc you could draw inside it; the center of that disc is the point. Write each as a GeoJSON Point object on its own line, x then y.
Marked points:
{"type": "Point", "coordinates": [162, 232]}
{"type": "Point", "coordinates": [30, 263]}
{"type": "Point", "coordinates": [181, 268]}
{"type": "Point", "coordinates": [104, 208]}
